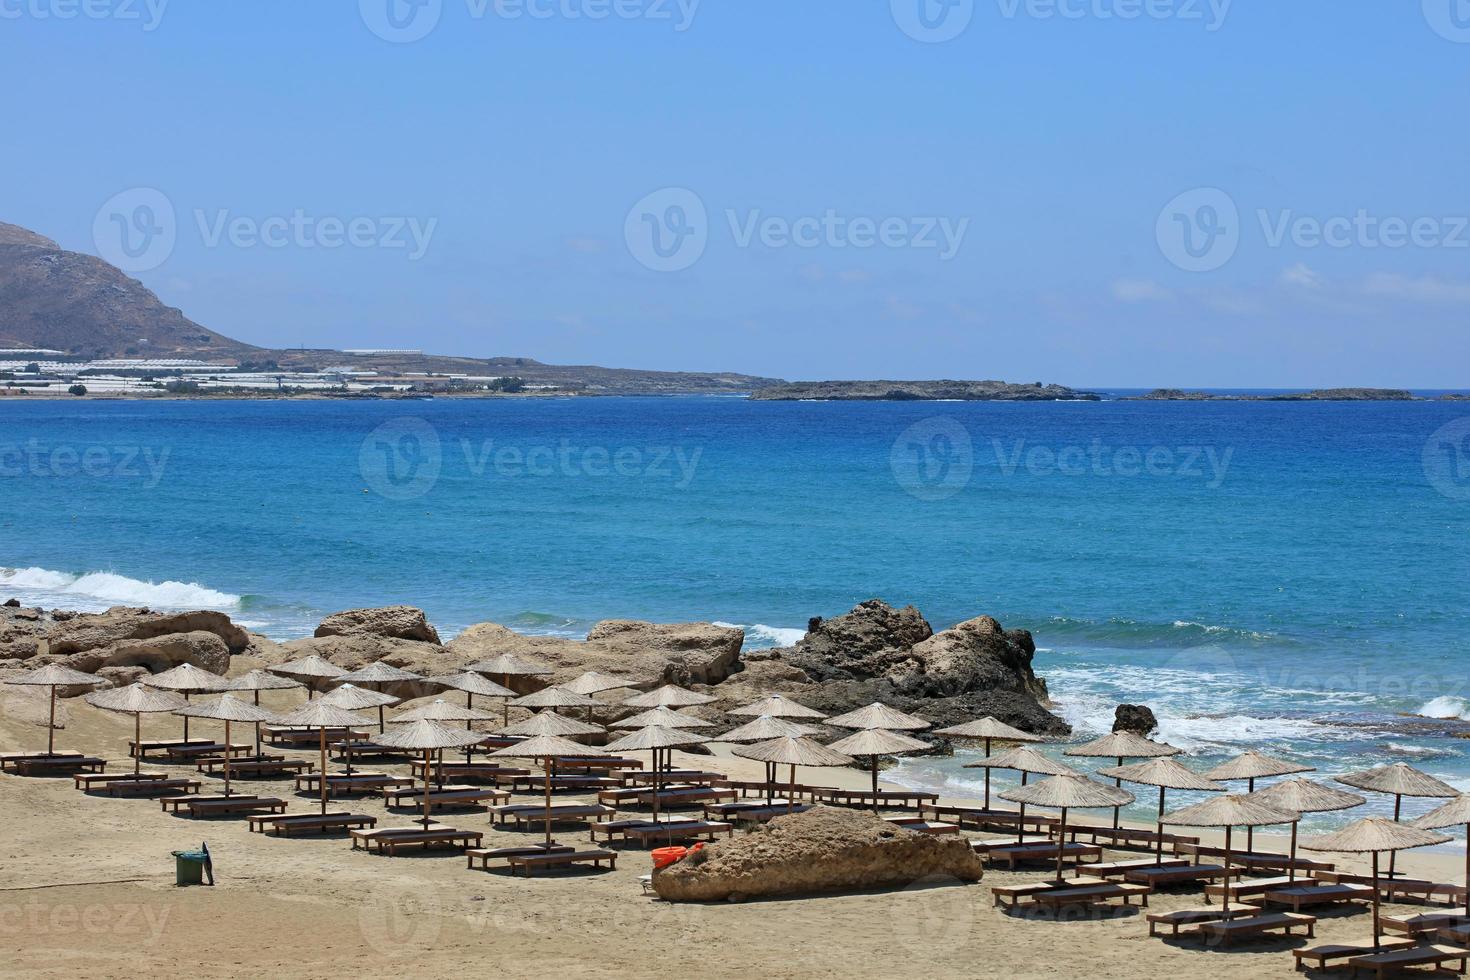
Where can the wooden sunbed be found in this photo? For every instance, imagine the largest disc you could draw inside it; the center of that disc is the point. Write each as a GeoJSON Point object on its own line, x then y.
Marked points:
{"type": "Point", "coordinates": [1227, 931]}
{"type": "Point", "coordinates": [1247, 887]}
{"type": "Point", "coordinates": [447, 796]}
{"type": "Point", "coordinates": [52, 765]}
{"type": "Point", "coordinates": [1117, 869]}
{"type": "Point", "coordinates": [256, 767]}
{"type": "Point", "coordinates": [934, 828]}
{"type": "Point", "coordinates": [1125, 838]}
{"type": "Point", "coordinates": [983, 847]}
{"type": "Point", "coordinates": [341, 784]}
{"type": "Point", "coordinates": [1298, 896]}
{"type": "Point", "coordinates": [536, 781]}
{"type": "Point", "coordinates": [758, 788]}
{"type": "Point", "coordinates": [900, 799]}
{"type": "Point", "coordinates": [1395, 889]}
{"type": "Point", "coordinates": [527, 863]}
{"type": "Point", "coordinates": [232, 806]}
{"type": "Point", "coordinates": [646, 832]}
{"type": "Point", "coordinates": [980, 818]}
{"type": "Point", "coordinates": [9, 757]}
{"type": "Point", "coordinates": [675, 796]}
{"type": "Point", "coordinates": [1321, 957]}
{"type": "Point", "coordinates": [159, 746]}
{"type": "Point", "coordinates": [1252, 860]}
{"type": "Point", "coordinates": [689, 777]}
{"type": "Point", "coordinates": [284, 824]}
{"type": "Point", "coordinates": [1432, 955]}
{"type": "Point", "coordinates": [1004, 896]}
{"type": "Point", "coordinates": [1191, 917]}
{"type": "Point", "coordinates": [756, 813]}
{"type": "Point", "coordinates": [1178, 875]}
{"type": "Point", "coordinates": [486, 855]}
{"type": "Point", "coordinates": [82, 780]}
{"type": "Point", "coordinates": [364, 749]}
{"type": "Point", "coordinates": [308, 736]}
{"type": "Point", "coordinates": [389, 843]}
{"type": "Point", "coordinates": [490, 771]}
{"type": "Point", "coordinates": [146, 787]}
{"type": "Point", "coordinates": [196, 751]}
{"type": "Point", "coordinates": [591, 763]}
{"type": "Point", "coordinates": [1056, 898]}
{"type": "Point", "coordinates": [1042, 853]}
{"type": "Point", "coordinates": [522, 814]}
{"type": "Point", "coordinates": [1422, 924]}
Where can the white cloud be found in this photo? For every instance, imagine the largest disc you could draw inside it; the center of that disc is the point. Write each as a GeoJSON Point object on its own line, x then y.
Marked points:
{"type": "Point", "coordinates": [1425, 289]}
{"type": "Point", "coordinates": [1139, 291]}
{"type": "Point", "coordinates": [1301, 275]}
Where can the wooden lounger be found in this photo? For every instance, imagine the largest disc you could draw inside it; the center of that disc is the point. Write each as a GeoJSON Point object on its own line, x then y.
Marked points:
{"type": "Point", "coordinates": [1177, 875]}
{"type": "Point", "coordinates": [448, 796]}
{"type": "Point", "coordinates": [1321, 957]}
{"type": "Point", "coordinates": [309, 736]}
{"type": "Point", "coordinates": [1042, 853]}
{"type": "Point", "coordinates": [1190, 917]}
{"type": "Point", "coordinates": [148, 747]}
{"type": "Point", "coordinates": [933, 827]}
{"type": "Point", "coordinates": [1003, 896]}
{"type": "Point", "coordinates": [146, 787]}
{"type": "Point", "coordinates": [341, 784]}
{"type": "Point", "coordinates": [884, 798]}
{"type": "Point", "coordinates": [1254, 860]}
{"type": "Point", "coordinates": [1423, 924]}
{"type": "Point", "coordinates": [758, 814]}
{"type": "Point", "coordinates": [192, 753]}
{"type": "Point", "coordinates": [1435, 955]}
{"type": "Point", "coordinates": [1056, 898]}
{"type": "Point", "coordinates": [234, 806]}
{"type": "Point", "coordinates": [282, 824]}
{"type": "Point", "coordinates": [530, 862]}
{"type": "Point", "coordinates": [535, 782]}
{"type": "Point", "coordinates": [390, 843]}
{"type": "Point", "coordinates": [256, 767]}
{"type": "Point", "coordinates": [486, 855]}
{"type": "Point", "coordinates": [607, 763]}
{"type": "Point", "coordinates": [522, 814]}
{"type": "Point", "coordinates": [690, 777]}
{"type": "Point", "coordinates": [983, 847]}
{"type": "Point", "coordinates": [647, 834]}
{"type": "Point", "coordinates": [1393, 889]}
{"type": "Point", "coordinates": [1321, 894]}
{"type": "Point", "coordinates": [980, 818]}
{"type": "Point", "coordinates": [82, 780]}
{"type": "Point", "coordinates": [56, 765]}
{"type": "Point", "coordinates": [466, 770]}
{"type": "Point", "coordinates": [1117, 869]}
{"type": "Point", "coordinates": [1228, 930]}
{"type": "Point", "coordinates": [1248, 887]}
{"type": "Point", "coordinates": [679, 796]}
{"type": "Point", "coordinates": [1126, 838]}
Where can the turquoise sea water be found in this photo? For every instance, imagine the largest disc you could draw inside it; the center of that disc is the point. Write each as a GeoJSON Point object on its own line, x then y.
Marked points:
{"type": "Point", "coordinates": [1280, 575]}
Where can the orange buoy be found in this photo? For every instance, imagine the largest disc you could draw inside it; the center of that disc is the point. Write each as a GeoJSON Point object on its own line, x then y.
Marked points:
{"type": "Point", "coordinates": [665, 856]}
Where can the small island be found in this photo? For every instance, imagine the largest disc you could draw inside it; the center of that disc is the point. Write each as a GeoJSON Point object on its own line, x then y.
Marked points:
{"type": "Point", "coordinates": [910, 391]}
{"type": "Point", "coordinates": [1318, 395]}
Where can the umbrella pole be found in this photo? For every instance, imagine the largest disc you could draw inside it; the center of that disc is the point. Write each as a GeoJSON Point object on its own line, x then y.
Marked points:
{"type": "Point", "coordinates": [322, 732]}
{"type": "Point", "coordinates": [987, 774]}
{"type": "Point", "coordinates": [1393, 857]}
{"type": "Point", "coordinates": [1159, 844]}
{"type": "Point", "coordinates": [382, 726]}
{"type": "Point", "coordinates": [1376, 943]}
{"type": "Point", "coordinates": [505, 678]}
{"type": "Point", "coordinates": [1226, 905]}
{"type": "Point", "coordinates": [1291, 869]}
{"type": "Point", "coordinates": [428, 755]}
{"type": "Point", "coordinates": [791, 796]}
{"type": "Point", "coordinates": [469, 702]}
{"type": "Point", "coordinates": [1061, 843]}
{"type": "Point", "coordinates": [1117, 810]}
{"type": "Point", "coordinates": [51, 725]}
{"type": "Point", "coordinates": [1021, 823]}
{"type": "Point", "coordinates": [186, 717]}
{"type": "Point", "coordinates": [258, 753]}
{"type": "Point", "coordinates": [1467, 870]}
{"type": "Point", "coordinates": [875, 784]}
{"type": "Point", "coordinates": [547, 763]}
{"type": "Point", "coordinates": [138, 746]}
{"type": "Point", "coordinates": [228, 753]}
{"type": "Point", "coordinates": [657, 784]}
{"type": "Point", "coordinates": [347, 752]}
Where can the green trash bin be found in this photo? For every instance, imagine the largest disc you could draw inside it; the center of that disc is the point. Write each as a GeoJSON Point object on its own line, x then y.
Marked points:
{"type": "Point", "coordinates": [190, 867]}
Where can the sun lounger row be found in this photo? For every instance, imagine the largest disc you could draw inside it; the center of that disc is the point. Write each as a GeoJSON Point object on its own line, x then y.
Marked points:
{"type": "Point", "coordinates": [903, 799]}
{"type": "Point", "coordinates": [340, 784]}
{"type": "Point", "coordinates": [1125, 838]}
{"type": "Point", "coordinates": [1071, 892]}
{"type": "Point", "coordinates": [979, 818]}
{"type": "Point", "coordinates": [443, 796]}
{"type": "Point", "coordinates": [522, 814]}
{"type": "Point", "coordinates": [1397, 889]}
{"type": "Point", "coordinates": [1041, 853]}
{"type": "Point", "coordinates": [1257, 861]}
{"type": "Point", "coordinates": [390, 841]}
{"type": "Point", "coordinates": [222, 806]}
{"type": "Point", "coordinates": [751, 788]}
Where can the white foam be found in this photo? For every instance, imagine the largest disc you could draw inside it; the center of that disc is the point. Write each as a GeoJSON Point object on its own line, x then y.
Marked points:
{"type": "Point", "coordinates": [45, 587]}
{"type": "Point", "coordinates": [761, 636]}
{"type": "Point", "coordinates": [1446, 707]}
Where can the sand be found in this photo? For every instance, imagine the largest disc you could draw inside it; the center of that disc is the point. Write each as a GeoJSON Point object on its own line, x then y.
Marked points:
{"type": "Point", "coordinates": [86, 888]}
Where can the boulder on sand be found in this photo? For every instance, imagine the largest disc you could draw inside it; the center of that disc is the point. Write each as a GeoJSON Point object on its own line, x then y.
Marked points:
{"type": "Point", "coordinates": [824, 849]}
{"type": "Point", "coordinates": [204, 650]}
{"type": "Point", "coordinates": [393, 622]}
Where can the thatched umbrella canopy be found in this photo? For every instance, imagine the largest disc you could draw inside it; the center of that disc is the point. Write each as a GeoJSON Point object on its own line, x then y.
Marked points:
{"type": "Point", "coordinates": [1374, 835]}
{"type": "Point", "coordinates": [136, 700]}
{"type": "Point", "coordinates": [375, 676]}
{"type": "Point", "coordinates": [663, 718]}
{"type": "Point", "coordinates": [476, 685]}
{"type": "Point", "coordinates": [1401, 780]}
{"type": "Point", "coordinates": [655, 739]}
{"type": "Point", "coordinates": [1230, 811]}
{"type": "Point", "coordinates": [1250, 766]}
{"type": "Point", "coordinates": [555, 698]}
{"type": "Point", "coordinates": [310, 670]}
{"type": "Point", "coordinates": [321, 716]}
{"type": "Point", "coordinates": [548, 722]}
{"type": "Point", "coordinates": [428, 737]}
{"type": "Point", "coordinates": [1453, 814]}
{"type": "Point", "coordinates": [256, 681]}
{"type": "Point", "coordinates": [354, 698]}
{"type": "Point", "coordinates": [873, 742]}
{"type": "Point", "coordinates": [1121, 746]}
{"type": "Point", "coordinates": [1067, 793]}
{"type": "Point", "coordinates": [668, 696]}
{"type": "Point", "coordinates": [508, 665]}
{"type": "Point", "coordinates": [1028, 762]}
{"type": "Point", "coordinates": [228, 709]}
{"type": "Point", "coordinates": [547, 748]}
{"type": "Point", "coordinates": [1166, 774]}
{"type": "Point", "coordinates": [595, 682]}
{"type": "Point", "coordinates": [765, 728]}
{"type": "Point", "coordinates": [1305, 796]}
{"type": "Point", "coordinates": [793, 752]}
{"type": "Point", "coordinates": [777, 706]}
{"type": "Point", "coordinates": [441, 710]}
{"type": "Point", "coordinates": [988, 730]}
{"type": "Point", "coordinates": [880, 715]}
{"type": "Point", "coordinates": [188, 679]}
{"type": "Point", "coordinates": [54, 676]}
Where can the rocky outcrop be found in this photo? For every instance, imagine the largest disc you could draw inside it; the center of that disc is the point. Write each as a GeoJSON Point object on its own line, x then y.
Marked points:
{"type": "Point", "coordinates": [21, 632]}
{"type": "Point", "coordinates": [157, 654]}
{"type": "Point", "coordinates": [825, 849]}
{"type": "Point", "coordinates": [394, 622]}
{"type": "Point", "coordinates": [900, 391]}
{"type": "Point", "coordinates": [1136, 718]}
{"type": "Point", "coordinates": [89, 631]}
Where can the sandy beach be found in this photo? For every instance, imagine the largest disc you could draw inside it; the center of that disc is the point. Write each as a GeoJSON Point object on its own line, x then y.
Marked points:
{"type": "Point", "coordinates": [87, 888]}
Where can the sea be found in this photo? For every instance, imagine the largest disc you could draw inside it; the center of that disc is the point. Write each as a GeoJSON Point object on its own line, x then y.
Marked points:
{"type": "Point", "coordinates": [1286, 576]}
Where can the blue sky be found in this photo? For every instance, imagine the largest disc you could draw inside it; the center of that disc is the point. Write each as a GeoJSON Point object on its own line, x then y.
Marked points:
{"type": "Point", "coordinates": [1084, 162]}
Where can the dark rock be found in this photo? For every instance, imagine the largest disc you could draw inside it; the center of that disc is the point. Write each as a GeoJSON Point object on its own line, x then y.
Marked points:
{"type": "Point", "coordinates": [12, 603]}
{"type": "Point", "coordinates": [1134, 718]}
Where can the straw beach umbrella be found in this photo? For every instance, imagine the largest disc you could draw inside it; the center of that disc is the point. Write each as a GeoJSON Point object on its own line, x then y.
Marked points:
{"type": "Point", "coordinates": [441, 710]}
{"type": "Point", "coordinates": [1305, 796]}
{"type": "Point", "coordinates": [879, 715]}
{"type": "Point", "coordinates": [1453, 814]}
{"type": "Point", "coordinates": [777, 706]}
{"type": "Point", "coordinates": [595, 682]}
{"type": "Point", "coordinates": [188, 679]}
{"type": "Point", "coordinates": [1027, 761]}
{"type": "Point", "coordinates": [474, 685]}
{"type": "Point", "coordinates": [1401, 780]}
{"type": "Point", "coordinates": [54, 676]}
{"type": "Point", "coordinates": [136, 700]}
{"type": "Point", "coordinates": [1230, 811]}
{"type": "Point", "coordinates": [989, 730]}
{"type": "Point", "coordinates": [315, 714]}
{"type": "Point", "coordinates": [506, 666]}
{"type": "Point", "coordinates": [1374, 835]}
{"type": "Point", "coordinates": [350, 697]}
{"type": "Point", "coordinates": [228, 709]}
{"type": "Point", "coordinates": [793, 752]}
{"type": "Point", "coordinates": [655, 739]}
{"type": "Point", "coordinates": [256, 681]}
{"type": "Point", "coordinates": [1250, 766]}
{"type": "Point", "coordinates": [555, 698]}
{"type": "Point", "coordinates": [1166, 774]}
{"type": "Point", "coordinates": [309, 670]}
{"type": "Point", "coordinates": [873, 742]}
{"type": "Point", "coordinates": [1121, 746]}
{"type": "Point", "coordinates": [763, 729]}
{"type": "Point", "coordinates": [1068, 793]}
{"type": "Point", "coordinates": [668, 696]}
{"type": "Point", "coordinates": [427, 737]}
{"type": "Point", "coordinates": [547, 748]}
{"type": "Point", "coordinates": [548, 722]}
{"type": "Point", "coordinates": [663, 718]}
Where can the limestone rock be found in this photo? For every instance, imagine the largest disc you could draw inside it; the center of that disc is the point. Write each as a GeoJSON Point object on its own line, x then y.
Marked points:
{"type": "Point", "coordinates": [393, 622]}
{"type": "Point", "coordinates": [89, 631]}
{"type": "Point", "coordinates": [825, 849]}
{"type": "Point", "coordinates": [1134, 718]}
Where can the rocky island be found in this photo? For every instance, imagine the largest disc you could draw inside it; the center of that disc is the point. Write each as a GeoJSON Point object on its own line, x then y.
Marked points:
{"type": "Point", "coordinates": [1317, 395]}
{"type": "Point", "coordinates": [895, 391]}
